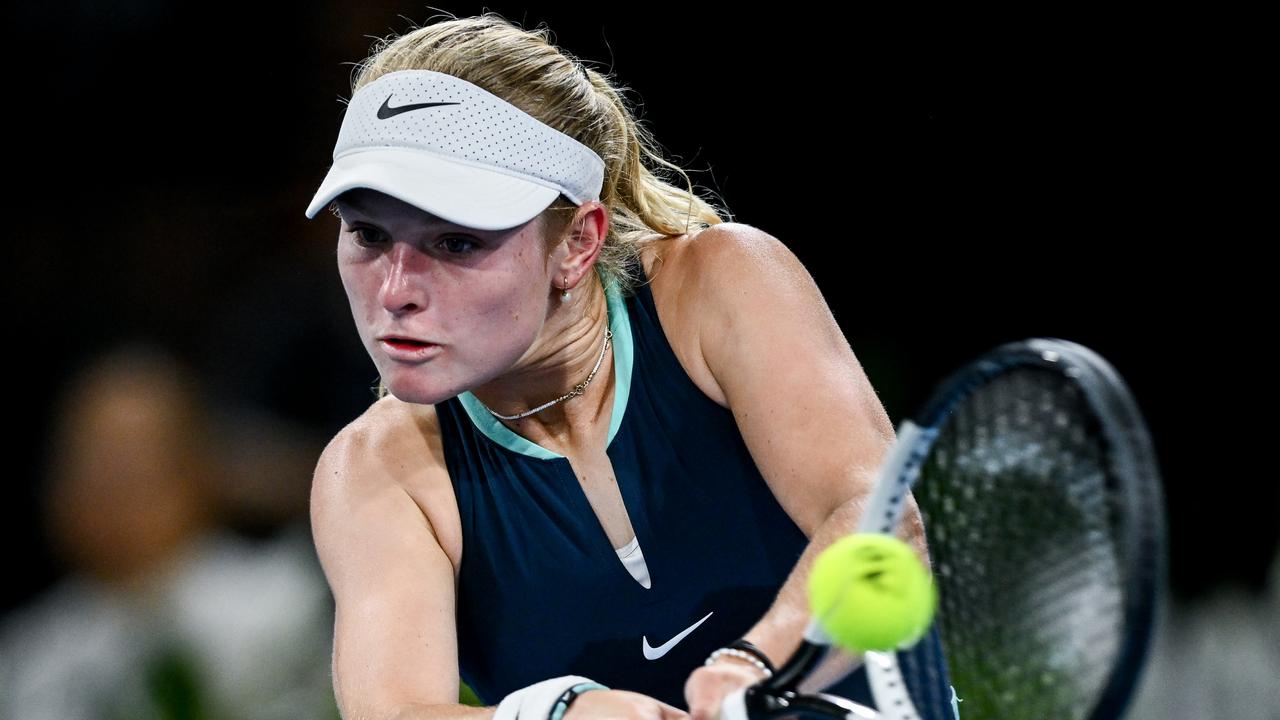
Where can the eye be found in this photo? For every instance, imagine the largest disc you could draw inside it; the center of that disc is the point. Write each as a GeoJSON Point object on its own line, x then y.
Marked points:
{"type": "Point", "coordinates": [367, 237]}
{"type": "Point", "coordinates": [457, 245]}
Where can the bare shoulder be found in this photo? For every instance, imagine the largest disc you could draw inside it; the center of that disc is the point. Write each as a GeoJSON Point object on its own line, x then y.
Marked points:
{"type": "Point", "coordinates": [802, 402]}
{"type": "Point", "coordinates": [687, 272]}
{"type": "Point", "coordinates": [391, 436]}
{"type": "Point", "coordinates": [718, 251]}
{"type": "Point", "coordinates": [380, 518]}
{"type": "Point", "coordinates": [394, 443]}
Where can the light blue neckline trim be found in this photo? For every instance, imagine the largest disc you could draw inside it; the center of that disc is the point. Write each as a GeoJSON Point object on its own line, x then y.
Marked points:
{"type": "Point", "coordinates": [623, 362]}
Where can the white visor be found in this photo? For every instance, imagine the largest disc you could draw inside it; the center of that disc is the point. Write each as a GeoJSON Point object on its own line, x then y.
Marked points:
{"type": "Point", "coordinates": [456, 151]}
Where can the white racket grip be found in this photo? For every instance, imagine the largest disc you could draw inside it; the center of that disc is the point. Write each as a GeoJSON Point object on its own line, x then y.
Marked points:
{"type": "Point", "coordinates": [734, 706]}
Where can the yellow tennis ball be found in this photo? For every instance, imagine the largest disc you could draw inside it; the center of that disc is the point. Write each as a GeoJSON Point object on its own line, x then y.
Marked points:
{"type": "Point", "coordinates": [871, 592]}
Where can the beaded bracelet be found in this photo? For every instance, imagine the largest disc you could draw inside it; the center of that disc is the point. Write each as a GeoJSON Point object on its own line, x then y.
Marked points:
{"type": "Point", "coordinates": [743, 644]}
{"type": "Point", "coordinates": [741, 654]}
{"type": "Point", "coordinates": [562, 705]}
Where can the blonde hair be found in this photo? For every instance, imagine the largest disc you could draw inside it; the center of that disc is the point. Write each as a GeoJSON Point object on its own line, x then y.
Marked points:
{"type": "Point", "coordinates": [524, 68]}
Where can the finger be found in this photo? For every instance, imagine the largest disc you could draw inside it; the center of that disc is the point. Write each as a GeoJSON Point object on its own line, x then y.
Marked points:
{"type": "Point", "coordinates": [703, 707]}
{"type": "Point", "coordinates": [705, 695]}
{"type": "Point", "coordinates": [672, 713]}
{"type": "Point", "coordinates": [706, 708]}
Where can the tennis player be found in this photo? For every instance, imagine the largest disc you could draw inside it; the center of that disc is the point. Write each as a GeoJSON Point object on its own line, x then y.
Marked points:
{"type": "Point", "coordinates": [614, 431]}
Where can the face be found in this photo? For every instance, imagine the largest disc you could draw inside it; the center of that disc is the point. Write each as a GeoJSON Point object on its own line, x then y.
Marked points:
{"type": "Point", "coordinates": [440, 308]}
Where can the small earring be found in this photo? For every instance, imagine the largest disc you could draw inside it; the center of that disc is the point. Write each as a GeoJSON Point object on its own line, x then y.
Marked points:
{"type": "Point", "coordinates": [564, 291]}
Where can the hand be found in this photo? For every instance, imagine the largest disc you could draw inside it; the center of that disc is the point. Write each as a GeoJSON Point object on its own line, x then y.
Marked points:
{"type": "Point", "coordinates": [622, 704]}
{"type": "Point", "coordinates": [708, 686]}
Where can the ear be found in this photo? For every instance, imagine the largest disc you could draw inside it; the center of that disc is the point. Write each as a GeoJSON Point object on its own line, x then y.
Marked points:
{"type": "Point", "coordinates": [580, 247]}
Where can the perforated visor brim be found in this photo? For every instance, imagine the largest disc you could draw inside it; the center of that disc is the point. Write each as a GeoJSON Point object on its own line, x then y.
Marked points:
{"type": "Point", "coordinates": [470, 196]}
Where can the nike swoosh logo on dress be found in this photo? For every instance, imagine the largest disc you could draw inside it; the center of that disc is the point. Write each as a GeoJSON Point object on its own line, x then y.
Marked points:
{"type": "Point", "coordinates": [652, 653]}
{"type": "Point", "coordinates": [387, 111]}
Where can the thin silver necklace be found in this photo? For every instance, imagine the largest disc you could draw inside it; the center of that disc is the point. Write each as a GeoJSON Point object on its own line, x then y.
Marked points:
{"type": "Point", "coordinates": [576, 391]}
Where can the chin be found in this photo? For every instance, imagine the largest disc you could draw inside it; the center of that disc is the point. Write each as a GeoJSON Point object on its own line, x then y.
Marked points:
{"type": "Point", "coordinates": [406, 390]}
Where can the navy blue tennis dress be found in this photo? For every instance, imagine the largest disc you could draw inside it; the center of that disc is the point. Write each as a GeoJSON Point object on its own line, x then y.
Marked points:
{"type": "Point", "coordinates": [542, 591]}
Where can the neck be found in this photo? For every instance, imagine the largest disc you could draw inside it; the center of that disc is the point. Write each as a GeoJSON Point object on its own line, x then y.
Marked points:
{"type": "Point", "coordinates": [564, 355]}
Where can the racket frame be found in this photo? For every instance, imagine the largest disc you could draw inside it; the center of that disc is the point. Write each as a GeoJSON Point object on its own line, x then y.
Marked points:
{"type": "Point", "coordinates": [1129, 449]}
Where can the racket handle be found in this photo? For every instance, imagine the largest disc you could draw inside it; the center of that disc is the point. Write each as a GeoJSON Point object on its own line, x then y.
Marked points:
{"type": "Point", "coordinates": [734, 707]}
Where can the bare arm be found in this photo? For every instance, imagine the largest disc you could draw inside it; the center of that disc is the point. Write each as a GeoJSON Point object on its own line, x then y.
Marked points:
{"type": "Point", "coordinates": [806, 409]}
{"type": "Point", "coordinates": [395, 647]}
{"type": "Point", "coordinates": [801, 399]}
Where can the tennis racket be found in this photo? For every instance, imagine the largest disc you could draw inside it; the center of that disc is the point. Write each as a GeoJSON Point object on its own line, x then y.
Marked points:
{"type": "Point", "coordinates": [1040, 493]}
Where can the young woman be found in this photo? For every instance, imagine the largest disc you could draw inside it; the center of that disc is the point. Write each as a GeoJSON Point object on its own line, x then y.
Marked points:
{"type": "Point", "coordinates": [615, 430]}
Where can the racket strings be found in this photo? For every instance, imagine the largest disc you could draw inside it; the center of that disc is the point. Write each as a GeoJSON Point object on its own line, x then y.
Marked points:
{"type": "Point", "coordinates": [1018, 504]}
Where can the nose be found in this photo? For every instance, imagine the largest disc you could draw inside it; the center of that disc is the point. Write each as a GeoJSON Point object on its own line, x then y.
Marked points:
{"type": "Point", "coordinates": [402, 289]}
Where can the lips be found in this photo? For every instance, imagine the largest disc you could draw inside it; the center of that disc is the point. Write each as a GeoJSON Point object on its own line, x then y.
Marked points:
{"type": "Point", "coordinates": [404, 340]}
{"type": "Point", "coordinates": [405, 343]}
{"type": "Point", "coordinates": [399, 347]}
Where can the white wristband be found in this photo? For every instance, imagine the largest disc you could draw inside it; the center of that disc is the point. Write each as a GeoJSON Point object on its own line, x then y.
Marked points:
{"type": "Point", "coordinates": [536, 701]}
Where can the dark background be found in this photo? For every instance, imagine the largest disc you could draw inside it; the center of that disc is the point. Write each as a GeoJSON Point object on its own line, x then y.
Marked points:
{"type": "Point", "coordinates": [951, 181]}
